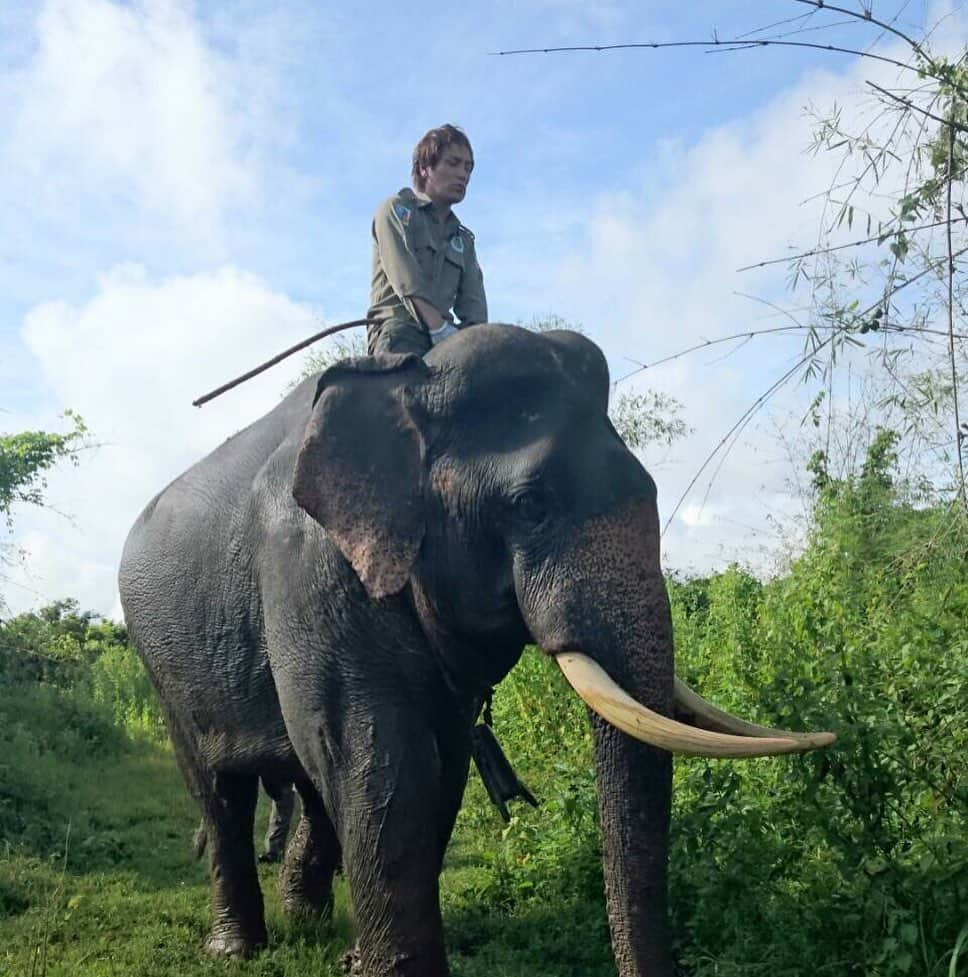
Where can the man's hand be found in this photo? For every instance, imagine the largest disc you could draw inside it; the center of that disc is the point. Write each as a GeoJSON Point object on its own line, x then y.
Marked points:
{"type": "Point", "coordinates": [447, 329]}
{"type": "Point", "coordinates": [438, 327]}
{"type": "Point", "coordinates": [429, 314]}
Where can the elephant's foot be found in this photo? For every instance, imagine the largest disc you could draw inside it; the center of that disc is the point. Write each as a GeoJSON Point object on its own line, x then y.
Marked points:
{"type": "Point", "coordinates": [305, 891]}
{"type": "Point", "coordinates": [401, 963]}
{"type": "Point", "coordinates": [297, 903]}
{"type": "Point", "coordinates": [352, 965]}
{"type": "Point", "coordinates": [229, 942]}
{"type": "Point", "coordinates": [306, 877]}
{"type": "Point", "coordinates": [199, 841]}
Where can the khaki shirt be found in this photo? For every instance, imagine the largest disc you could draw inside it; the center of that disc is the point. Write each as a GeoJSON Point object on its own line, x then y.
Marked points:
{"type": "Point", "coordinates": [415, 257]}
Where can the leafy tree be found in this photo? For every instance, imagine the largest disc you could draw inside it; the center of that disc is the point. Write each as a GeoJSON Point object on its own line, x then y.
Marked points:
{"type": "Point", "coordinates": [899, 290]}
{"type": "Point", "coordinates": [338, 348]}
{"type": "Point", "coordinates": [25, 458]}
{"type": "Point", "coordinates": [648, 418]}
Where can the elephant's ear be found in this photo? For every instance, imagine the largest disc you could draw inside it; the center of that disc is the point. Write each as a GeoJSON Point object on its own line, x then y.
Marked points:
{"type": "Point", "coordinates": [360, 470]}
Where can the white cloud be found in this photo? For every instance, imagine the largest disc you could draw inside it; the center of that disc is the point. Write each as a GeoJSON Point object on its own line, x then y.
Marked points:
{"type": "Point", "coordinates": [130, 361]}
{"type": "Point", "coordinates": [129, 99]}
{"type": "Point", "coordinates": [695, 514]}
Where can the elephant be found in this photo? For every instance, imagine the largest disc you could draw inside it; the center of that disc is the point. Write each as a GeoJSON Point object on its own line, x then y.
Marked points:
{"type": "Point", "coordinates": [331, 594]}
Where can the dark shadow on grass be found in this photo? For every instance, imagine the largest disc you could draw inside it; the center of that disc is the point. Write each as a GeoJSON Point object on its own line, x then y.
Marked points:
{"type": "Point", "coordinates": [127, 814]}
{"type": "Point", "coordinates": [461, 859]}
{"type": "Point", "coordinates": [532, 940]}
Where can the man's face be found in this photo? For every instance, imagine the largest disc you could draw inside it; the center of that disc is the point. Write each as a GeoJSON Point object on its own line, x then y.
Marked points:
{"type": "Point", "coordinates": [447, 181]}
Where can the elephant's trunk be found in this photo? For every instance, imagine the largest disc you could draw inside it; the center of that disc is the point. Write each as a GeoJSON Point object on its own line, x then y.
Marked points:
{"type": "Point", "coordinates": [608, 600]}
{"type": "Point", "coordinates": [634, 789]}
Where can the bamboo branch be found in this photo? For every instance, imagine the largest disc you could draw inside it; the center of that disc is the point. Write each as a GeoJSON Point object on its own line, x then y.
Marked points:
{"type": "Point", "coordinates": [748, 334]}
{"type": "Point", "coordinates": [870, 19]}
{"type": "Point", "coordinates": [927, 65]}
{"type": "Point", "coordinates": [917, 108]}
{"type": "Point", "coordinates": [883, 236]}
{"type": "Point", "coordinates": [715, 44]}
{"type": "Point", "coordinates": [959, 434]}
{"type": "Point", "coordinates": [738, 427]}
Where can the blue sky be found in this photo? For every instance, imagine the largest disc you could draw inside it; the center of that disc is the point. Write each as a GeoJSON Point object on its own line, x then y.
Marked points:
{"type": "Point", "coordinates": [186, 188]}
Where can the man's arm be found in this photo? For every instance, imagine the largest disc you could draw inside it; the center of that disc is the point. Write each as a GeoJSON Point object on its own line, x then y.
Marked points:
{"type": "Point", "coordinates": [471, 303]}
{"type": "Point", "coordinates": [401, 266]}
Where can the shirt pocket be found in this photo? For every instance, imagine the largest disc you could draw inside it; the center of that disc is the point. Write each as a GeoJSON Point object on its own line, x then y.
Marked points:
{"type": "Point", "coordinates": [453, 269]}
{"type": "Point", "coordinates": [423, 247]}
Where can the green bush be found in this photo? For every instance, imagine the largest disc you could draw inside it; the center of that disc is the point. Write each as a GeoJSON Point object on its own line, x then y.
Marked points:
{"type": "Point", "coordinates": [119, 683]}
{"type": "Point", "coordinates": [551, 852]}
{"type": "Point", "coordinates": [72, 692]}
{"type": "Point", "coordinates": [83, 662]}
{"type": "Point", "coordinates": [848, 861]}
{"type": "Point", "coordinates": [855, 857]}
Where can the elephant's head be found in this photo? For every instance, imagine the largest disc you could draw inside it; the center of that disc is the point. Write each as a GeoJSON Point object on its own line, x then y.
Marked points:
{"type": "Point", "coordinates": [489, 478]}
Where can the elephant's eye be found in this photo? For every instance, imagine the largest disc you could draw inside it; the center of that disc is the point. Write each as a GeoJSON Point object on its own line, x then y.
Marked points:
{"type": "Point", "coordinates": [530, 506]}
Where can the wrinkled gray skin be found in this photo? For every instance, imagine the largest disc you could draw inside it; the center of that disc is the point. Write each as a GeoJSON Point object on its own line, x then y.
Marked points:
{"type": "Point", "coordinates": [327, 596]}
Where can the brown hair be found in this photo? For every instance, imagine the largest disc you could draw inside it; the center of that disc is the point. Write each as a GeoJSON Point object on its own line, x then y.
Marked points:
{"type": "Point", "coordinates": [427, 152]}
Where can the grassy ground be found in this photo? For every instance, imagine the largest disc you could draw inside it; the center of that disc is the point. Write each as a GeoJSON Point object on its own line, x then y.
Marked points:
{"type": "Point", "coordinates": [121, 895]}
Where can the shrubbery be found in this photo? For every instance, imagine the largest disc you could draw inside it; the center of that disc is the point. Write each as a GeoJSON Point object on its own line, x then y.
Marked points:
{"type": "Point", "coordinates": [71, 691]}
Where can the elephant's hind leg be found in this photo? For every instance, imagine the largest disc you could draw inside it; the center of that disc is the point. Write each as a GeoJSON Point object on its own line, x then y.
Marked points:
{"type": "Point", "coordinates": [312, 858]}
{"type": "Point", "coordinates": [227, 802]}
{"type": "Point", "coordinates": [238, 927]}
{"type": "Point", "coordinates": [280, 817]}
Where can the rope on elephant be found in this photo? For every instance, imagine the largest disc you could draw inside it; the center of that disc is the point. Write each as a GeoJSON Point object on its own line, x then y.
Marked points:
{"type": "Point", "coordinates": [211, 395]}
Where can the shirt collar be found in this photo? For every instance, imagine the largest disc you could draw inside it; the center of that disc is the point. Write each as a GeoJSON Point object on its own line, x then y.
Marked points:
{"type": "Point", "coordinates": [422, 201]}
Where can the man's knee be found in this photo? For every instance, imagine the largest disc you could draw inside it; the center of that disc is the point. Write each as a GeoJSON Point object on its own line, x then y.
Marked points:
{"type": "Point", "coordinates": [399, 337]}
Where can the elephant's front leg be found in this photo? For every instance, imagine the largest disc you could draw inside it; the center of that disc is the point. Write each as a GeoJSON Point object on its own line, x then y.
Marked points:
{"type": "Point", "coordinates": [393, 798]}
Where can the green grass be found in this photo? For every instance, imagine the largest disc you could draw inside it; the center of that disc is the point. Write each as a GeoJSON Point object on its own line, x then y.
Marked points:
{"type": "Point", "coordinates": [96, 872]}
{"type": "Point", "coordinates": [119, 893]}
{"type": "Point", "coordinates": [122, 895]}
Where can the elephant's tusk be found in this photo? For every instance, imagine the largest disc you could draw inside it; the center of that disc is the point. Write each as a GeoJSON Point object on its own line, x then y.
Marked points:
{"type": "Point", "coordinates": [617, 707]}
{"type": "Point", "coordinates": [692, 707]}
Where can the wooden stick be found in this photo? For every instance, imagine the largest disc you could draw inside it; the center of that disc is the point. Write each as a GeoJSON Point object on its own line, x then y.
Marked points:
{"type": "Point", "coordinates": [278, 358]}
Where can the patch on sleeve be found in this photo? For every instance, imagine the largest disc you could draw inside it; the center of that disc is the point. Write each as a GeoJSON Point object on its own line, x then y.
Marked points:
{"type": "Point", "coordinates": [403, 212]}
{"type": "Point", "coordinates": [457, 243]}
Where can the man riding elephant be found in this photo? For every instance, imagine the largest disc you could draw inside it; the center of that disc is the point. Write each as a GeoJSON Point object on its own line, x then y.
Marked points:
{"type": "Point", "coordinates": [424, 260]}
{"type": "Point", "coordinates": [425, 265]}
